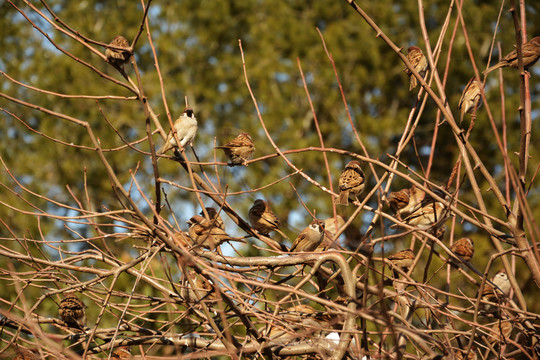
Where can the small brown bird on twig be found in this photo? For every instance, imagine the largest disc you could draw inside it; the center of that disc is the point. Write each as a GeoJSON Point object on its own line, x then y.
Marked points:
{"type": "Point", "coordinates": [118, 57]}
{"type": "Point", "coordinates": [398, 200]}
{"type": "Point", "coordinates": [495, 294]}
{"type": "Point", "coordinates": [122, 353]}
{"type": "Point", "coordinates": [463, 248]}
{"type": "Point", "coordinates": [263, 219]}
{"type": "Point", "coordinates": [530, 52]}
{"type": "Point", "coordinates": [351, 182]}
{"type": "Point", "coordinates": [310, 238]}
{"type": "Point", "coordinates": [186, 129]}
{"type": "Point", "coordinates": [403, 259]}
{"type": "Point", "coordinates": [419, 62]}
{"type": "Point", "coordinates": [72, 311]}
{"type": "Point", "coordinates": [331, 227]}
{"type": "Point", "coordinates": [207, 235]}
{"type": "Point", "coordinates": [406, 201]}
{"type": "Point", "coordinates": [239, 150]}
{"type": "Point", "coordinates": [427, 212]}
{"type": "Point", "coordinates": [471, 98]}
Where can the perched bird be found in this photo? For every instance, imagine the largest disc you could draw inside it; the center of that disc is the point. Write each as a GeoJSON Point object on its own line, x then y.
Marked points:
{"type": "Point", "coordinates": [419, 62]}
{"type": "Point", "coordinates": [72, 311]}
{"type": "Point", "coordinates": [263, 219]}
{"type": "Point", "coordinates": [352, 182]}
{"type": "Point", "coordinates": [331, 227]}
{"type": "Point", "coordinates": [495, 293]}
{"type": "Point", "coordinates": [398, 200]}
{"type": "Point", "coordinates": [463, 248]}
{"type": "Point", "coordinates": [403, 259]}
{"type": "Point", "coordinates": [310, 238]}
{"type": "Point", "coordinates": [427, 214]}
{"type": "Point", "coordinates": [406, 201]}
{"type": "Point", "coordinates": [118, 57]}
{"type": "Point", "coordinates": [122, 353]}
{"type": "Point", "coordinates": [215, 217]}
{"type": "Point", "coordinates": [239, 150]}
{"type": "Point", "coordinates": [530, 52]}
{"type": "Point", "coordinates": [471, 98]}
{"type": "Point", "coordinates": [204, 234]}
{"type": "Point", "coordinates": [185, 128]}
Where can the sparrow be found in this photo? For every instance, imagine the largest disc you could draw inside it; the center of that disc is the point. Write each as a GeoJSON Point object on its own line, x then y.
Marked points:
{"type": "Point", "coordinates": [262, 218]}
{"type": "Point", "coordinates": [471, 98]}
{"type": "Point", "coordinates": [186, 129]}
{"type": "Point", "coordinates": [428, 213]}
{"type": "Point", "coordinates": [495, 293]}
{"type": "Point", "coordinates": [239, 150]}
{"type": "Point", "coordinates": [121, 353]}
{"type": "Point", "coordinates": [530, 52]}
{"type": "Point", "coordinates": [419, 62]}
{"type": "Point", "coordinates": [215, 217]}
{"type": "Point", "coordinates": [351, 182]}
{"type": "Point", "coordinates": [310, 238]}
{"type": "Point", "coordinates": [203, 233]}
{"type": "Point", "coordinates": [72, 311]}
{"type": "Point", "coordinates": [406, 201]}
{"type": "Point", "coordinates": [118, 57]}
{"type": "Point", "coordinates": [398, 200]}
{"type": "Point", "coordinates": [331, 227]}
{"type": "Point", "coordinates": [402, 259]}
{"type": "Point", "coordinates": [463, 248]}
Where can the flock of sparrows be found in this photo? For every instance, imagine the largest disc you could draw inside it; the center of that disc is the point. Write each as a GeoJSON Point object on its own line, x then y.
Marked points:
{"type": "Point", "coordinates": [471, 97]}
{"type": "Point", "coordinates": [411, 206]}
{"type": "Point", "coordinates": [417, 208]}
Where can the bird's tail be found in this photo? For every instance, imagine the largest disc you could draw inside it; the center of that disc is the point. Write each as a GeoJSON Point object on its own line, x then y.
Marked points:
{"type": "Point", "coordinates": [494, 67]}
{"type": "Point", "coordinates": [162, 150]}
{"type": "Point", "coordinates": [342, 199]}
{"type": "Point", "coordinates": [414, 82]}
